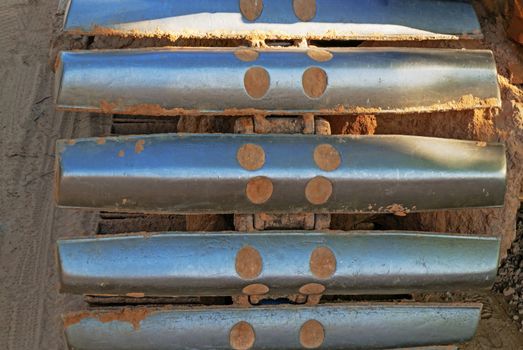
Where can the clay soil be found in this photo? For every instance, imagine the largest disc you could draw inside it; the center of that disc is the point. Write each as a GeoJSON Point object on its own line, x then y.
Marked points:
{"type": "Point", "coordinates": [30, 303]}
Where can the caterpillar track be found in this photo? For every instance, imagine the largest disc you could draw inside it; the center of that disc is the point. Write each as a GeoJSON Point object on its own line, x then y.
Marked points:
{"type": "Point", "coordinates": [282, 279]}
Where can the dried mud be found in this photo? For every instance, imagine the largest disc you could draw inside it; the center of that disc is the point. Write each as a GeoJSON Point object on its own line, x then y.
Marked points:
{"type": "Point", "coordinates": [503, 124]}
{"type": "Point", "coordinates": [134, 316]}
{"type": "Point", "coordinates": [31, 305]}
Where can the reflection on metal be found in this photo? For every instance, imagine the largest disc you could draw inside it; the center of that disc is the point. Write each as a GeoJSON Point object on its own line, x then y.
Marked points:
{"type": "Point", "coordinates": [276, 19]}
{"type": "Point", "coordinates": [225, 264]}
{"type": "Point", "coordinates": [279, 174]}
{"type": "Point", "coordinates": [357, 326]}
{"type": "Point", "coordinates": [291, 81]}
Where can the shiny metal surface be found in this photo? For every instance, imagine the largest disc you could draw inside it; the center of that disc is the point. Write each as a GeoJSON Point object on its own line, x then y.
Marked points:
{"type": "Point", "coordinates": [184, 173]}
{"type": "Point", "coordinates": [210, 264]}
{"type": "Point", "coordinates": [357, 326]}
{"type": "Point", "coordinates": [333, 19]}
{"type": "Point", "coordinates": [215, 81]}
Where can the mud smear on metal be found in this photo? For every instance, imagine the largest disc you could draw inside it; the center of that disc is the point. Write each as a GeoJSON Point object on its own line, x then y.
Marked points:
{"type": "Point", "coordinates": [135, 295]}
{"type": "Point", "coordinates": [251, 157]}
{"type": "Point", "coordinates": [318, 190]}
{"type": "Point", "coordinates": [327, 158]}
{"type": "Point", "coordinates": [312, 289]}
{"type": "Point", "coordinates": [312, 334]}
{"type": "Point", "coordinates": [467, 102]}
{"type": "Point", "coordinates": [256, 289]}
{"type": "Point", "coordinates": [132, 316]}
{"type": "Point", "coordinates": [246, 55]}
{"type": "Point", "coordinates": [260, 36]}
{"type": "Point", "coordinates": [139, 146]}
{"type": "Point", "coordinates": [319, 55]}
{"type": "Point", "coordinates": [398, 210]}
{"type": "Point", "coordinates": [242, 336]}
{"type": "Point", "coordinates": [249, 263]}
{"type": "Point", "coordinates": [322, 263]}
{"type": "Point", "coordinates": [257, 82]}
{"type": "Point", "coordinates": [314, 81]}
{"type": "Point", "coordinates": [305, 10]}
{"type": "Point", "coordinates": [251, 9]}
{"type": "Point", "coordinates": [259, 190]}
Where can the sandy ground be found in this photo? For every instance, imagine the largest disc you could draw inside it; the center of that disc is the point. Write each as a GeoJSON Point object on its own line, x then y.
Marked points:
{"type": "Point", "coordinates": [30, 305]}
{"type": "Point", "coordinates": [29, 222]}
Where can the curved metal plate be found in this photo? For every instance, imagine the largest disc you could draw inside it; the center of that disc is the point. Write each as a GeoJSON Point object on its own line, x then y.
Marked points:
{"type": "Point", "coordinates": [367, 326]}
{"type": "Point", "coordinates": [210, 81]}
{"type": "Point", "coordinates": [330, 19]}
{"type": "Point", "coordinates": [203, 173]}
{"type": "Point", "coordinates": [217, 264]}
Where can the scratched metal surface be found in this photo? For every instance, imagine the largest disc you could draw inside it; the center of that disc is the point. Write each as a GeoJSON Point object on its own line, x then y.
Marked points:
{"type": "Point", "coordinates": [189, 264]}
{"type": "Point", "coordinates": [333, 19]}
{"type": "Point", "coordinates": [201, 173]}
{"type": "Point", "coordinates": [367, 326]}
{"type": "Point", "coordinates": [211, 81]}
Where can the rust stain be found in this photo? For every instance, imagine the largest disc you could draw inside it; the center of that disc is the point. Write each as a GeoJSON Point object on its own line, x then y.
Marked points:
{"type": "Point", "coordinates": [246, 55]}
{"type": "Point", "coordinates": [327, 157]}
{"type": "Point", "coordinates": [251, 156]}
{"type": "Point", "coordinates": [319, 55]}
{"type": "Point", "coordinates": [249, 263]}
{"type": "Point", "coordinates": [318, 190]}
{"type": "Point", "coordinates": [100, 140]}
{"type": "Point", "coordinates": [305, 10]}
{"type": "Point", "coordinates": [257, 82]}
{"type": "Point", "coordinates": [312, 289]}
{"type": "Point", "coordinates": [312, 334]}
{"type": "Point", "coordinates": [139, 146]}
{"type": "Point", "coordinates": [121, 153]}
{"type": "Point", "coordinates": [256, 289]}
{"type": "Point", "coordinates": [251, 9]}
{"type": "Point", "coordinates": [132, 316]}
{"type": "Point", "coordinates": [322, 263]}
{"type": "Point", "coordinates": [242, 336]}
{"type": "Point", "coordinates": [314, 81]}
{"type": "Point", "coordinates": [259, 190]}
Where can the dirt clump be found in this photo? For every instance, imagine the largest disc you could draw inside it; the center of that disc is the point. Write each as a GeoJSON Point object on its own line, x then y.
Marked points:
{"type": "Point", "coordinates": [510, 276]}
